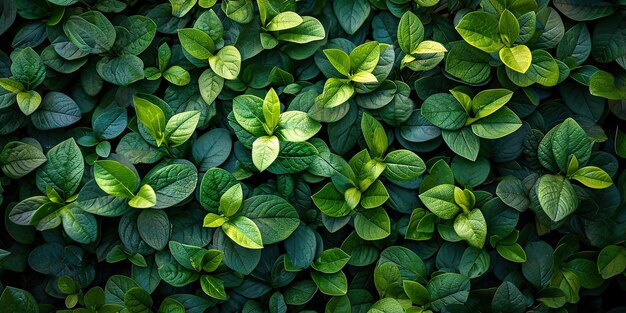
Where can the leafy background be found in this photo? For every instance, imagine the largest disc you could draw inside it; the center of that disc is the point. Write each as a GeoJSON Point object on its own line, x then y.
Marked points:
{"type": "Point", "coordinates": [338, 156]}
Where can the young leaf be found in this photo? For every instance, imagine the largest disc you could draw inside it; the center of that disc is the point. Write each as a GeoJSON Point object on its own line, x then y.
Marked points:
{"type": "Point", "coordinates": [152, 117]}
{"type": "Point", "coordinates": [244, 232]}
{"type": "Point", "coordinates": [180, 127]}
{"type": "Point", "coordinates": [265, 150]}
{"type": "Point", "coordinates": [480, 29]}
{"type": "Point", "coordinates": [115, 178]}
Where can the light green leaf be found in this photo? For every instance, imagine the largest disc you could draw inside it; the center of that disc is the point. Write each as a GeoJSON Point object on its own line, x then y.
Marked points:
{"type": "Point", "coordinates": [226, 63]}
{"type": "Point", "coordinates": [181, 127]}
{"type": "Point", "coordinates": [440, 201]}
{"type": "Point", "coordinates": [152, 117]}
{"type": "Point", "coordinates": [331, 202]}
{"type": "Point", "coordinates": [309, 30]}
{"type": "Point", "coordinates": [556, 197]}
{"type": "Point", "coordinates": [489, 101]}
{"type": "Point", "coordinates": [244, 232]}
{"type": "Point", "coordinates": [339, 60]}
{"type": "Point", "coordinates": [403, 165]}
{"type": "Point", "coordinates": [145, 198]}
{"type": "Point", "coordinates": [115, 178]}
{"type": "Point", "coordinates": [410, 32]}
{"type": "Point", "coordinates": [296, 126]}
{"type": "Point", "coordinates": [336, 92]}
{"type": "Point", "coordinates": [330, 261]}
{"type": "Point", "coordinates": [335, 284]}
{"type": "Point", "coordinates": [508, 27]}
{"type": "Point", "coordinates": [213, 287]}
{"type": "Point", "coordinates": [472, 228]}
{"type": "Point", "coordinates": [517, 58]}
{"type": "Point", "coordinates": [462, 142]}
{"type": "Point", "coordinates": [265, 150]}
{"type": "Point", "coordinates": [603, 84]}
{"type": "Point", "coordinates": [182, 7]}
{"type": "Point", "coordinates": [271, 110]}
{"type": "Point", "coordinates": [480, 29]}
{"type": "Point", "coordinates": [230, 201]}
{"type": "Point", "coordinates": [364, 58]}
{"type": "Point", "coordinates": [284, 20]}
{"type": "Point", "coordinates": [374, 134]}
{"type": "Point", "coordinates": [611, 261]}
{"type": "Point", "coordinates": [497, 125]}
{"type": "Point", "coordinates": [28, 101]}
{"type": "Point", "coordinates": [196, 42]}
{"type": "Point", "coordinates": [375, 195]}
{"type": "Point", "coordinates": [593, 177]}
{"type": "Point", "coordinates": [18, 159]}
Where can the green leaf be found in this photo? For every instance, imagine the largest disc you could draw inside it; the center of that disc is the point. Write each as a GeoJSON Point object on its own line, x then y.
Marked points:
{"type": "Point", "coordinates": [134, 34]}
{"type": "Point", "coordinates": [177, 76]}
{"type": "Point", "coordinates": [145, 198]}
{"type": "Point", "coordinates": [593, 177]}
{"type": "Point", "coordinates": [265, 150]}
{"type": "Point", "coordinates": [467, 63]}
{"type": "Point", "coordinates": [226, 63]}
{"type": "Point", "coordinates": [244, 232]}
{"type": "Point", "coordinates": [444, 111]}
{"type": "Point", "coordinates": [508, 298]}
{"type": "Point", "coordinates": [182, 7]}
{"type": "Point", "coordinates": [497, 125]}
{"type": "Point", "coordinates": [331, 261]}
{"type": "Point", "coordinates": [410, 32]}
{"type": "Point", "coordinates": [64, 169]}
{"type": "Point", "coordinates": [374, 135]}
{"type": "Point", "coordinates": [518, 58]}
{"type": "Point", "coordinates": [335, 284]}
{"type": "Point", "coordinates": [363, 78]}
{"type": "Point", "coordinates": [440, 201]}
{"type": "Point", "coordinates": [372, 224]}
{"type": "Point", "coordinates": [543, 70]}
{"type": "Point", "coordinates": [230, 201]}
{"type": "Point", "coordinates": [90, 32]}
{"type": "Point", "coordinates": [581, 10]}
{"type": "Point", "coordinates": [331, 202]}
{"type": "Point", "coordinates": [508, 26]}
{"type": "Point", "coordinates": [241, 11]}
{"type": "Point", "coordinates": [364, 58]}
{"type": "Point", "coordinates": [137, 300]}
{"type": "Point", "coordinates": [448, 289]}
{"type": "Point", "coordinates": [196, 42]}
{"type": "Point", "coordinates": [309, 30]}
{"type": "Point", "coordinates": [375, 196]}
{"type": "Point", "coordinates": [296, 126]}
{"type": "Point", "coordinates": [603, 84]}
{"type": "Point", "coordinates": [27, 67]}
{"type": "Point", "coordinates": [18, 300]}
{"type": "Point", "coordinates": [17, 159]}
{"type": "Point", "coordinates": [115, 178]}
{"type": "Point", "coordinates": [79, 225]}
{"type": "Point", "coordinates": [152, 117]}
{"type": "Point", "coordinates": [248, 111]}
{"type": "Point", "coordinates": [339, 60]}
{"type": "Point", "coordinates": [480, 29]}
{"type": "Point", "coordinates": [154, 228]}
{"type": "Point", "coordinates": [336, 92]}
{"type": "Point", "coordinates": [472, 228]}
{"type": "Point", "coordinates": [403, 165]}
{"type": "Point", "coordinates": [353, 13]}
{"type": "Point", "coordinates": [556, 197]}
{"type": "Point", "coordinates": [514, 253]}
{"type": "Point", "coordinates": [210, 85]}
{"type": "Point", "coordinates": [489, 101]}
{"type": "Point", "coordinates": [462, 142]}
{"type": "Point", "coordinates": [173, 181]}
{"type": "Point", "coordinates": [271, 111]}
{"type": "Point", "coordinates": [57, 110]}
{"type": "Point", "coordinates": [611, 261]}
{"type": "Point", "coordinates": [284, 20]}
{"type": "Point", "coordinates": [276, 218]}
{"type": "Point", "coordinates": [180, 127]}
{"type": "Point", "coordinates": [213, 287]}
{"type": "Point", "coordinates": [575, 45]}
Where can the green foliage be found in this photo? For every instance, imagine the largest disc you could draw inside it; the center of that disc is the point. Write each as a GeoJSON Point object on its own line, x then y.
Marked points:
{"type": "Point", "coordinates": [312, 156]}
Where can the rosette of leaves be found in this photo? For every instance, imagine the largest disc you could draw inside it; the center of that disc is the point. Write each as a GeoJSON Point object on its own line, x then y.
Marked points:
{"type": "Point", "coordinates": [419, 55]}
{"type": "Point", "coordinates": [28, 72]}
{"type": "Point", "coordinates": [281, 23]}
{"type": "Point", "coordinates": [554, 194]}
{"type": "Point", "coordinates": [200, 44]}
{"type": "Point", "coordinates": [173, 74]}
{"type": "Point", "coordinates": [464, 119]}
{"type": "Point", "coordinates": [449, 202]}
{"type": "Point", "coordinates": [249, 223]}
{"type": "Point", "coordinates": [353, 68]}
{"type": "Point", "coordinates": [272, 135]}
{"type": "Point", "coordinates": [356, 188]}
{"type": "Point", "coordinates": [58, 179]}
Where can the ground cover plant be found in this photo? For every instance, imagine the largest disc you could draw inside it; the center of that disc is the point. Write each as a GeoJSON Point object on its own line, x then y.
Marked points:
{"type": "Point", "coordinates": [375, 156]}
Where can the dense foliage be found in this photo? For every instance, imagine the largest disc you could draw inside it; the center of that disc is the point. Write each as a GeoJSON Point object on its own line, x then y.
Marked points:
{"type": "Point", "coordinates": [379, 156]}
